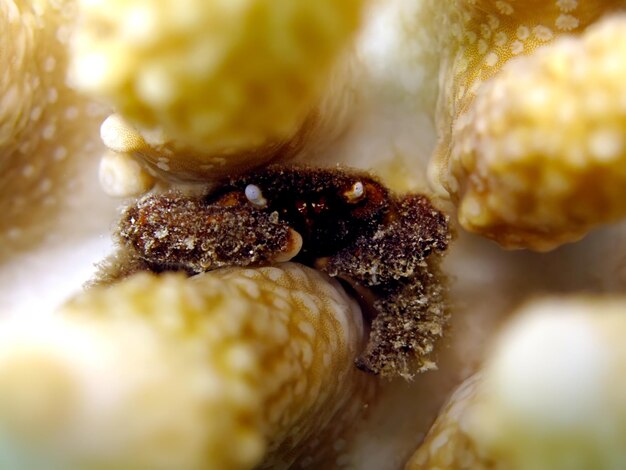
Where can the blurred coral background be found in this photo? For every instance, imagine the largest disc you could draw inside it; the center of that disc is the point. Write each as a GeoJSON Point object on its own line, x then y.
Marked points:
{"type": "Point", "coordinates": [102, 101]}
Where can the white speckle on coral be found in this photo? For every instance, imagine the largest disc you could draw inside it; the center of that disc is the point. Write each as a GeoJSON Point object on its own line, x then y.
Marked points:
{"type": "Point", "coordinates": [494, 22]}
{"type": "Point", "coordinates": [53, 95]}
{"type": "Point", "coordinates": [543, 33]}
{"type": "Point", "coordinates": [326, 359]}
{"type": "Point", "coordinates": [505, 8]}
{"type": "Point", "coordinates": [606, 144]}
{"type": "Point", "coordinates": [482, 46]}
{"type": "Point", "coordinates": [567, 5]}
{"type": "Point", "coordinates": [491, 59]}
{"type": "Point", "coordinates": [49, 64]}
{"type": "Point", "coordinates": [71, 113]}
{"type": "Point", "coordinates": [49, 131]}
{"type": "Point", "coordinates": [59, 153]}
{"type": "Point", "coordinates": [49, 201]}
{"type": "Point", "coordinates": [63, 34]}
{"type": "Point", "coordinates": [28, 171]}
{"type": "Point", "coordinates": [274, 274]}
{"type": "Point", "coordinates": [306, 302]}
{"type": "Point", "coordinates": [485, 31]}
{"type": "Point", "coordinates": [567, 22]}
{"type": "Point", "coordinates": [45, 185]}
{"type": "Point", "coordinates": [440, 441]}
{"type": "Point", "coordinates": [280, 304]}
{"type": "Point", "coordinates": [307, 328]}
{"type": "Point", "coordinates": [517, 47]}
{"type": "Point", "coordinates": [14, 233]}
{"type": "Point", "coordinates": [501, 39]}
{"type": "Point", "coordinates": [94, 109]}
{"type": "Point", "coordinates": [250, 288]}
{"type": "Point", "coordinates": [36, 113]}
{"type": "Point", "coordinates": [522, 33]}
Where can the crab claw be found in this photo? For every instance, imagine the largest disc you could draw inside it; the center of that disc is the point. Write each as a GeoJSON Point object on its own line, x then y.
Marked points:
{"type": "Point", "coordinates": [292, 247]}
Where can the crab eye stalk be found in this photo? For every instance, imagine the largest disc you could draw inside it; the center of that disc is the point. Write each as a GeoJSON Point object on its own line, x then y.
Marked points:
{"type": "Point", "coordinates": [255, 196]}
{"type": "Point", "coordinates": [355, 193]}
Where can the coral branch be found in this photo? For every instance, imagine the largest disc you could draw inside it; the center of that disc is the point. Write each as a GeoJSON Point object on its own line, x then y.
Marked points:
{"type": "Point", "coordinates": [550, 396]}
{"type": "Point", "coordinates": [532, 145]}
{"type": "Point", "coordinates": [222, 370]}
{"type": "Point", "coordinates": [46, 130]}
{"type": "Point", "coordinates": [211, 87]}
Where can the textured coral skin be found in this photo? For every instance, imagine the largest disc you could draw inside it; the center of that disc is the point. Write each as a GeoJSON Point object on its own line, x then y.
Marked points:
{"type": "Point", "coordinates": [548, 397]}
{"type": "Point", "coordinates": [447, 446]}
{"type": "Point", "coordinates": [223, 370]}
{"type": "Point", "coordinates": [43, 123]}
{"type": "Point", "coordinates": [492, 287]}
{"type": "Point", "coordinates": [532, 146]}
{"type": "Point", "coordinates": [209, 84]}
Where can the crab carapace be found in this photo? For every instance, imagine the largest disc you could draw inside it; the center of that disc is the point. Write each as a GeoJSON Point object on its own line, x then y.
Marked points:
{"type": "Point", "coordinates": [341, 221]}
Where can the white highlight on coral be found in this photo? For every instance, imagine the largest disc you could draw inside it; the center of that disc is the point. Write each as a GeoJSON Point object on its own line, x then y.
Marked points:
{"type": "Point", "coordinates": [607, 144]}
{"type": "Point", "coordinates": [122, 176]}
{"type": "Point", "coordinates": [548, 372]}
{"type": "Point", "coordinates": [116, 134]}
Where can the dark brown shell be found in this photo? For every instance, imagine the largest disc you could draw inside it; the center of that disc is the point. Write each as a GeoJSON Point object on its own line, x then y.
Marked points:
{"type": "Point", "coordinates": [313, 202]}
{"type": "Point", "coordinates": [386, 244]}
{"type": "Point", "coordinates": [172, 231]}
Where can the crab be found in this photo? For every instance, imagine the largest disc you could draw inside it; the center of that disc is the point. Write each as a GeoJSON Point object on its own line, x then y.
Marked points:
{"type": "Point", "coordinates": [384, 247]}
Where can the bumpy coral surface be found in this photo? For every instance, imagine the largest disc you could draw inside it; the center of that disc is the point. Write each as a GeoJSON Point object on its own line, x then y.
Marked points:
{"type": "Point", "coordinates": [487, 280]}
{"type": "Point", "coordinates": [43, 123]}
{"type": "Point", "coordinates": [218, 371]}
{"type": "Point", "coordinates": [532, 145]}
{"type": "Point", "coordinates": [549, 397]}
{"type": "Point", "coordinates": [208, 82]}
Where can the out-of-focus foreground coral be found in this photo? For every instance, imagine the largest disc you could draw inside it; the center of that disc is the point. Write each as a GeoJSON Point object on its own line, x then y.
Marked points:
{"type": "Point", "coordinates": [550, 397]}
{"type": "Point", "coordinates": [224, 370]}
{"type": "Point", "coordinates": [43, 123]}
{"type": "Point", "coordinates": [105, 382]}
{"type": "Point", "coordinates": [203, 88]}
{"type": "Point", "coordinates": [533, 118]}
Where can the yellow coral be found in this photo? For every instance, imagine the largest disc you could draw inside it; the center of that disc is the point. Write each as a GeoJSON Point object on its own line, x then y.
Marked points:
{"type": "Point", "coordinates": [169, 372]}
{"type": "Point", "coordinates": [447, 446]}
{"type": "Point", "coordinates": [549, 397]}
{"type": "Point", "coordinates": [211, 80]}
{"type": "Point", "coordinates": [532, 146]}
{"type": "Point", "coordinates": [43, 123]}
